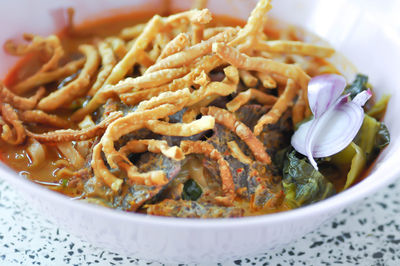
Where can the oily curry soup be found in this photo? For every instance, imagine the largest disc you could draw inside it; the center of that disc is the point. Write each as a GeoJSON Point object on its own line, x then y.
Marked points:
{"type": "Point", "coordinates": [184, 115]}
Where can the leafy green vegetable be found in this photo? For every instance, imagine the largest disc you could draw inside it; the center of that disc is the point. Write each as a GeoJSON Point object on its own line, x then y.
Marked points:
{"type": "Point", "coordinates": [302, 183]}
{"type": "Point", "coordinates": [366, 135]}
{"type": "Point", "coordinates": [359, 84]}
{"type": "Point", "coordinates": [370, 140]}
{"type": "Point", "coordinates": [191, 190]}
{"type": "Point", "coordinates": [352, 161]}
{"type": "Point", "coordinates": [382, 138]}
{"type": "Point", "coordinates": [378, 110]}
{"type": "Point", "coordinates": [372, 137]}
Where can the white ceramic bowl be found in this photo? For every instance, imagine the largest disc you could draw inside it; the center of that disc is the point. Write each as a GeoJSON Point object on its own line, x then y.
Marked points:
{"type": "Point", "coordinates": [367, 40]}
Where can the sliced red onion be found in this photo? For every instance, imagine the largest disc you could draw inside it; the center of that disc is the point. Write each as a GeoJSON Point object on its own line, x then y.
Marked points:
{"type": "Point", "coordinates": [336, 120]}
{"type": "Point", "coordinates": [323, 92]}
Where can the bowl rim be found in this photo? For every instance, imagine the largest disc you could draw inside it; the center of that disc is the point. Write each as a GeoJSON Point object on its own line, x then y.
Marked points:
{"type": "Point", "coordinates": [336, 202]}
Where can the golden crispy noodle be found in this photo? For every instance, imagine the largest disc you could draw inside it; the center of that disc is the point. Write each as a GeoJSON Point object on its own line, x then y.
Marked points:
{"type": "Point", "coordinates": [144, 59]}
{"type": "Point", "coordinates": [267, 55]}
{"type": "Point", "coordinates": [58, 52]}
{"type": "Point", "coordinates": [294, 47]}
{"type": "Point", "coordinates": [207, 94]}
{"type": "Point", "coordinates": [152, 145]}
{"type": "Point", "coordinates": [50, 45]}
{"type": "Point", "coordinates": [181, 129]}
{"type": "Point", "coordinates": [255, 23]}
{"type": "Point", "coordinates": [242, 61]}
{"type": "Point", "coordinates": [13, 131]}
{"type": "Point", "coordinates": [150, 178]}
{"type": "Point", "coordinates": [41, 78]}
{"type": "Point", "coordinates": [231, 75]}
{"type": "Point", "coordinates": [193, 16]}
{"type": "Point", "coordinates": [149, 32]}
{"type": "Point", "coordinates": [101, 171]}
{"type": "Point", "coordinates": [65, 135]}
{"type": "Point", "coordinates": [197, 33]}
{"type": "Point", "coordinates": [201, 17]}
{"type": "Point", "coordinates": [75, 88]}
{"type": "Point", "coordinates": [167, 97]}
{"type": "Point", "coordinates": [150, 80]}
{"type": "Point", "coordinates": [129, 45]}
{"type": "Point", "coordinates": [201, 147]}
{"type": "Point", "coordinates": [190, 115]}
{"type": "Point", "coordinates": [229, 120]}
{"type": "Point", "coordinates": [205, 64]}
{"type": "Point", "coordinates": [198, 25]}
{"type": "Point", "coordinates": [141, 42]}
{"type": "Point", "coordinates": [188, 55]}
{"type": "Point", "coordinates": [211, 32]}
{"type": "Point", "coordinates": [108, 61]}
{"type": "Point", "coordinates": [132, 32]}
{"type": "Point", "coordinates": [134, 98]}
{"type": "Point", "coordinates": [141, 82]}
{"type": "Point", "coordinates": [154, 55]}
{"type": "Point", "coordinates": [248, 95]}
{"type": "Point", "coordinates": [203, 79]}
{"type": "Point", "coordinates": [37, 44]}
{"type": "Point", "coordinates": [298, 109]}
{"type": "Point", "coordinates": [98, 99]}
{"type": "Point", "coordinates": [177, 44]}
{"type": "Point", "coordinates": [18, 102]}
{"type": "Point", "coordinates": [212, 89]}
{"type": "Point", "coordinates": [142, 69]}
{"type": "Point", "coordinates": [238, 153]}
{"type": "Point", "coordinates": [40, 117]}
{"type": "Point", "coordinates": [129, 123]}
{"type": "Point", "coordinates": [266, 80]}
{"type": "Point", "coordinates": [161, 40]}
{"type": "Point", "coordinates": [118, 46]}
{"type": "Point", "coordinates": [283, 102]}
{"type": "Point", "coordinates": [248, 79]}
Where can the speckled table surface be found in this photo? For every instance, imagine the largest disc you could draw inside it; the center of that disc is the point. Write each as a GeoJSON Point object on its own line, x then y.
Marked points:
{"type": "Point", "coordinates": [367, 233]}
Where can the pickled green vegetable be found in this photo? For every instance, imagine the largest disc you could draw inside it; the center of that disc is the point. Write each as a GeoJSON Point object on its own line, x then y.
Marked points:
{"type": "Point", "coordinates": [378, 110]}
{"type": "Point", "coordinates": [302, 183]}
{"type": "Point", "coordinates": [351, 160]}
{"type": "Point", "coordinates": [359, 84]}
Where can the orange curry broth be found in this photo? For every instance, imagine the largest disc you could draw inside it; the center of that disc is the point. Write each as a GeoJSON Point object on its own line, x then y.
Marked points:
{"type": "Point", "coordinates": [17, 158]}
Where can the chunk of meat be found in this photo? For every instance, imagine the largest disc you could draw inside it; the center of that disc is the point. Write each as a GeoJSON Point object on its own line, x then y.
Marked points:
{"type": "Point", "coordinates": [131, 197]}
{"type": "Point", "coordinates": [277, 136]}
{"type": "Point", "coordinates": [256, 182]}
